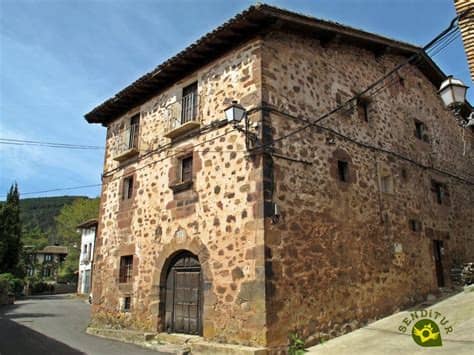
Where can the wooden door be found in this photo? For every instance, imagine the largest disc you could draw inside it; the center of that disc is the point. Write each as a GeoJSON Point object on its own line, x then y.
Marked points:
{"type": "Point", "coordinates": [183, 296]}
{"type": "Point", "coordinates": [437, 252]}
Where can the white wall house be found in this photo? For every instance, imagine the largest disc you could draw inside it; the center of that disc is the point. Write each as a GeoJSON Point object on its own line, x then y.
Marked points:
{"type": "Point", "coordinates": [88, 231]}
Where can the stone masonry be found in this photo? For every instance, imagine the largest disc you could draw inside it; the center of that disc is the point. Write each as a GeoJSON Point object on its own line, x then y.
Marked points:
{"type": "Point", "coordinates": [334, 226]}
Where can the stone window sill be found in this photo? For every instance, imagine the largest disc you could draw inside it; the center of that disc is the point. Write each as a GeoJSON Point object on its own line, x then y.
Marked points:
{"type": "Point", "coordinates": [182, 186]}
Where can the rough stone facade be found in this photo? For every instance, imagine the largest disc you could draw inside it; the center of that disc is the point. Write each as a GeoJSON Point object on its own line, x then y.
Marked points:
{"type": "Point", "coordinates": [219, 218]}
{"type": "Point", "coordinates": [338, 253]}
{"type": "Point", "coordinates": [343, 253]}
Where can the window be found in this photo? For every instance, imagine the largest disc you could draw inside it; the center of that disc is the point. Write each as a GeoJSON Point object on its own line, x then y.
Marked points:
{"type": "Point", "coordinates": [439, 190]}
{"type": "Point", "coordinates": [363, 110]}
{"type": "Point", "coordinates": [343, 170]}
{"type": "Point", "coordinates": [134, 131]}
{"type": "Point", "coordinates": [89, 251]}
{"type": "Point", "coordinates": [415, 225]}
{"type": "Point", "coordinates": [85, 249]}
{"type": "Point", "coordinates": [48, 257]}
{"type": "Point", "coordinates": [187, 169]}
{"type": "Point", "coordinates": [386, 184]}
{"type": "Point", "coordinates": [421, 131]}
{"type": "Point", "coordinates": [126, 268]}
{"type": "Point", "coordinates": [189, 103]}
{"type": "Point", "coordinates": [127, 188]}
{"type": "Point", "coordinates": [127, 303]}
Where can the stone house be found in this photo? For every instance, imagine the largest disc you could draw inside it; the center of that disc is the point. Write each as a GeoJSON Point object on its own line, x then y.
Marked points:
{"type": "Point", "coordinates": [202, 231]}
{"type": "Point", "coordinates": [88, 231]}
{"type": "Point", "coordinates": [45, 263]}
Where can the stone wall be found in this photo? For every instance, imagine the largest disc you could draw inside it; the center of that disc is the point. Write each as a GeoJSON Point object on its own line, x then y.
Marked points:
{"type": "Point", "coordinates": [343, 253]}
{"type": "Point", "coordinates": [219, 218]}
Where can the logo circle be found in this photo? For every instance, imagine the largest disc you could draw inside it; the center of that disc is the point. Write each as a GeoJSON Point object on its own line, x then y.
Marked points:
{"type": "Point", "coordinates": [426, 333]}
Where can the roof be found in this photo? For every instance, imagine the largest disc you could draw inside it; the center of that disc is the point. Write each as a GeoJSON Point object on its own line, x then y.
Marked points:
{"type": "Point", "coordinates": [246, 25]}
{"type": "Point", "coordinates": [53, 249]}
{"type": "Point", "coordinates": [89, 223]}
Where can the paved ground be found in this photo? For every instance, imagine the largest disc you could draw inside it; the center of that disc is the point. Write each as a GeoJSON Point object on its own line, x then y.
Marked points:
{"type": "Point", "coordinates": [54, 325]}
{"type": "Point", "coordinates": [383, 336]}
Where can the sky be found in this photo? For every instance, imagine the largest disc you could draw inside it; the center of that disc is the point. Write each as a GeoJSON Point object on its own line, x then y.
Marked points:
{"type": "Point", "coordinates": [61, 58]}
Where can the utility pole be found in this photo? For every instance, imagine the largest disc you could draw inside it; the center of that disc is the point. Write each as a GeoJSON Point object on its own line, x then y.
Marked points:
{"type": "Point", "coordinates": [466, 25]}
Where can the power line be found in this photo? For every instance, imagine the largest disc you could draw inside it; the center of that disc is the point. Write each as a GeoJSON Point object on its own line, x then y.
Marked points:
{"type": "Point", "coordinates": [11, 141]}
{"type": "Point", "coordinates": [411, 60]}
{"type": "Point", "coordinates": [436, 45]}
{"type": "Point", "coordinates": [58, 189]}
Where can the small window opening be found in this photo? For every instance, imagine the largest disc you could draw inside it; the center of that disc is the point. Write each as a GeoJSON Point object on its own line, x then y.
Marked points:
{"type": "Point", "coordinates": [386, 183]}
{"type": "Point", "coordinates": [127, 301]}
{"type": "Point", "coordinates": [343, 170]}
{"type": "Point", "coordinates": [127, 188]}
{"type": "Point", "coordinates": [421, 131]}
{"type": "Point", "coordinates": [415, 225]}
{"type": "Point", "coordinates": [404, 174]}
{"type": "Point", "coordinates": [126, 269]}
{"type": "Point", "coordinates": [439, 190]}
{"type": "Point", "coordinates": [187, 169]}
{"type": "Point", "coordinates": [363, 110]}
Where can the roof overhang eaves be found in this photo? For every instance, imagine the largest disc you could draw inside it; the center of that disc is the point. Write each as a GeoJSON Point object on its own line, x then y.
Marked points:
{"type": "Point", "coordinates": [236, 31]}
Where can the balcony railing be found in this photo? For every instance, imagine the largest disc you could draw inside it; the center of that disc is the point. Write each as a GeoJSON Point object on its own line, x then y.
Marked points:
{"type": "Point", "coordinates": [127, 143]}
{"type": "Point", "coordinates": [182, 116]}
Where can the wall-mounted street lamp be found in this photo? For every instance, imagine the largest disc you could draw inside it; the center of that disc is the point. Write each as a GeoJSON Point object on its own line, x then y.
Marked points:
{"type": "Point", "coordinates": [453, 93]}
{"type": "Point", "coordinates": [234, 114]}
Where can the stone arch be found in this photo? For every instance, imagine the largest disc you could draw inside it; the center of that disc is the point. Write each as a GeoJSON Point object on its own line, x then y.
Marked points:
{"type": "Point", "coordinates": [164, 260]}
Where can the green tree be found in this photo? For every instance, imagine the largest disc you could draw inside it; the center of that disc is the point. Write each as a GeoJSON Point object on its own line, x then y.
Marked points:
{"type": "Point", "coordinates": [10, 233]}
{"type": "Point", "coordinates": [67, 221]}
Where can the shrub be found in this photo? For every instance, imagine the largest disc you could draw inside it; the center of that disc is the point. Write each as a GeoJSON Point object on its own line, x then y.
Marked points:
{"type": "Point", "coordinates": [41, 287]}
{"type": "Point", "coordinates": [11, 284]}
{"type": "Point", "coordinates": [297, 345]}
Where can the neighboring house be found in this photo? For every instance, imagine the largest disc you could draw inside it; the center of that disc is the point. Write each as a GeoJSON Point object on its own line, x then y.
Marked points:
{"type": "Point", "coordinates": [45, 263]}
{"type": "Point", "coordinates": [466, 25]}
{"type": "Point", "coordinates": [202, 232]}
{"type": "Point", "coordinates": [88, 231]}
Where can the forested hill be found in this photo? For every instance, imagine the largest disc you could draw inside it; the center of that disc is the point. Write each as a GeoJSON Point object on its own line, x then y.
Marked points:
{"type": "Point", "coordinates": [40, 212]}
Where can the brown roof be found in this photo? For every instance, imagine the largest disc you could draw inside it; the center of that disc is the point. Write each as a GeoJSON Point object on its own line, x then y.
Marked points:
{"type": "Point", "coordinates": [256, 19]}
{"type": "Point", "coordinates": [53, 249]}
{"type": "Point", "coordinates": [89, 223]}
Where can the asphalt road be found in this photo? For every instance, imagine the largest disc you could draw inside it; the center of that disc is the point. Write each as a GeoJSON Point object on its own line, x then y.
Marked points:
{"type": "Point", "coordinates": [54, 325]}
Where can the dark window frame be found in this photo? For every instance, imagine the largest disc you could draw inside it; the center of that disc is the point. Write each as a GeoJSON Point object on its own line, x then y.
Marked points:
{"type": "Point", "coordinates": [134, 131]}
{"type": "Point", "coordinates": [440, 191]}
{"type": "Point", "coordinates": [127, 303]}
{"type": "Point", "coordinates": [186, 169]}
{"type": "Point", "coordinates": [189, 102]}
{"type": "Point", "coordinates": [363, 109]}
{"type": "Point", "coordinates": [343, 170]}
{"type": "Point", "coordinates": [126, 269]}
{"type": "Point", "coordinates": [127, 187]}
{"type": "Point", "coordinates": [421, 131]}
{"type": "Point", "coordinates": [415, 225]}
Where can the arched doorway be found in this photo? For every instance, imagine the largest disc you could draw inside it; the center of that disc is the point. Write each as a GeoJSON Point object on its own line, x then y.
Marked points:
{"type": "Point", "coordinates": [183, 297]}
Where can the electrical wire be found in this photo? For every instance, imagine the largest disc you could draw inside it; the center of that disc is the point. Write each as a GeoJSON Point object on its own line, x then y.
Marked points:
{"type": "Point", "coordinates": [12, 141]}
{"type": "Point", "coordinates": [58, 189]}
{"type": "Point", "coordinates": [435, 46]}
{"type": "Point", "coordinates": [413, 58]}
